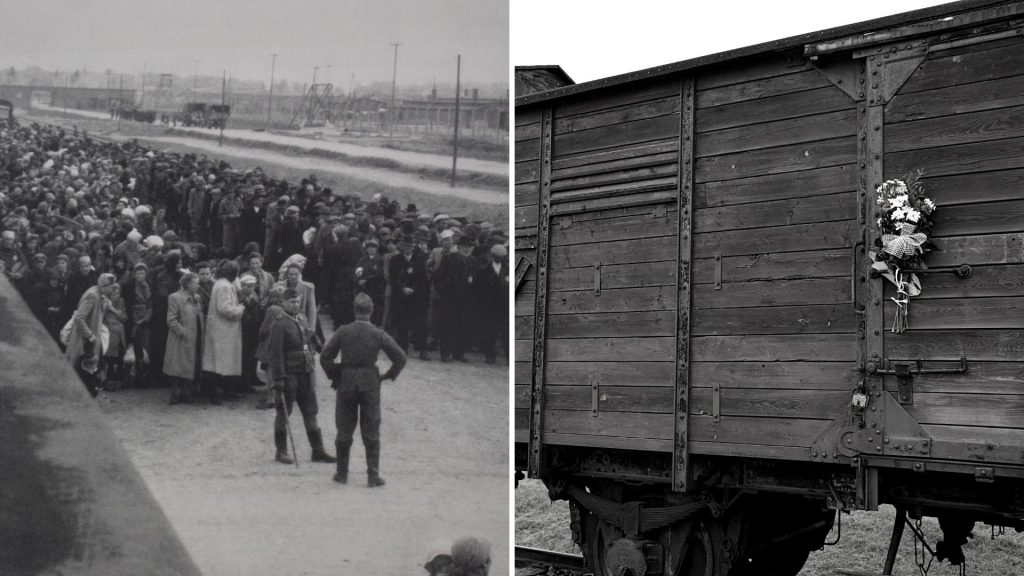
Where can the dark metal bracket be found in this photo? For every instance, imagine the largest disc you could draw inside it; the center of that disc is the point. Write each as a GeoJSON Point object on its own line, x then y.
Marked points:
{"type": "Point", "coordinates": [960, 271]}
{"type": "Point", "coordinates": [904, 375]}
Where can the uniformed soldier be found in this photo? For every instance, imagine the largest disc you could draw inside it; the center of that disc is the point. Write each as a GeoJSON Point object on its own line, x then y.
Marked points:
{"type": "Point", "coordinates": [290, 358]}
{"type": "Point", "coordinates": [357, 381]}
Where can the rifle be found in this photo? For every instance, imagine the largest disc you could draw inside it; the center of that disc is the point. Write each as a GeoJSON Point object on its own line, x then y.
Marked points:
{"type": "Point", "coordinates": [288, 426]}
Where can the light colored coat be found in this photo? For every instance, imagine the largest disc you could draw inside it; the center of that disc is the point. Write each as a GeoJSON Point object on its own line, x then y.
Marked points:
{"type": "Point", "coordinates": [86, 322]}
{"type": "Point", "coordinates": [184, 322]}
{"type": "Point", "coordinates": [222, 345]}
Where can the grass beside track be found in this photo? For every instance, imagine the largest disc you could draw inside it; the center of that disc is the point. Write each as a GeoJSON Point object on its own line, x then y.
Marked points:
{"type": "Point", "coordinates": [541, 523]}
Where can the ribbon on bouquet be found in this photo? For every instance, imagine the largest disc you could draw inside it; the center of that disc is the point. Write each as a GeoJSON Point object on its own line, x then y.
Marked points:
{"type": "Point", "coordinates": [902, 299]}
{"type": "Point", "coordinates": [907, 285]}
{"type": "Point", "coordinates": [906, 243]}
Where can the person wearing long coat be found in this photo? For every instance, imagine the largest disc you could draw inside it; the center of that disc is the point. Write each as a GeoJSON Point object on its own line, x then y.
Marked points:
{"type": "Point", "coordinates": [84, 347]}
{"type": "Point", "coordinates": [184, 338]}
{"type": "Point", "coordinates": [222, 344]}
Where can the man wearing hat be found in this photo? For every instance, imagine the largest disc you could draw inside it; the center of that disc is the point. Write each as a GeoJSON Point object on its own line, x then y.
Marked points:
{"type": "Point", "coordinates": [271, 224]}
{"type": "Point", "coordinates": [492, 288]}
{"type": "Point", "coordinates": [407, 278]}
{"type": "Point", "coordinates": [453, 281]}
{"type": "Point", "coordinates": [371, 280]}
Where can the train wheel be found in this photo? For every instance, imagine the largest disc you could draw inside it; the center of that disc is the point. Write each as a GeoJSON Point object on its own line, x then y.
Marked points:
{"type": "Point", "coordinates": [691, 550]}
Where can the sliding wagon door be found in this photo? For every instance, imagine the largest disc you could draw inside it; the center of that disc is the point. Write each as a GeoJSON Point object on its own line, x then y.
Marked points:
{"type": "Point", "coordinates": [774, 333]}
{"type": "Point", "coordinates": [960, 119]}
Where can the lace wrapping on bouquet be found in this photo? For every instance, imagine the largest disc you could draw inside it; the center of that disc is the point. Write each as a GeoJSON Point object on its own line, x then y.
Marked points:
{"type": "Point", "coordinates": [907, 243]}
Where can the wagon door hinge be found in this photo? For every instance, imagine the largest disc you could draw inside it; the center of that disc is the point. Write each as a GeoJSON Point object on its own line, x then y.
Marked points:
{"type": "Point", "coordinates": [595, 395]}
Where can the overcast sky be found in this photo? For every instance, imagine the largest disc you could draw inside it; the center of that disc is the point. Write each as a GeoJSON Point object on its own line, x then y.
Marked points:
{"type": "Point", "coordinates": [353, 36]}
{"type": "Point", "coordinates": [592, 40]}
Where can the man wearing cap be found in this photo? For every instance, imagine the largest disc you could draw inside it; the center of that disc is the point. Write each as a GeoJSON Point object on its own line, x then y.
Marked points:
{"type": "Point", "coordinates": [371, 280]}
{"type": "Point", "coordinates": [290, 366]}
{"type": "Point", "coordinates": [274, 214]}
{"type": "Point", "coordinates": [407, 277]}
{"type": "Point", "coordinates": [492, 288]}
{"type": "Point", "coordinates": [357, 380]}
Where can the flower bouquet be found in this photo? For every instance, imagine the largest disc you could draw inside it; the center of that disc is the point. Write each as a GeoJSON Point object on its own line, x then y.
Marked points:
{"type": "Point", "coordinates": [904, 226]}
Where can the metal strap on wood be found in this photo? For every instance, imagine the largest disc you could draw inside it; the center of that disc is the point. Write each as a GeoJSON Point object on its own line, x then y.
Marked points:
{"type": "Point", "coordinates": [681, 444]}
{"type": "Point", "coordinates": [534, 460]}
{"type": "Point", "coordinates": [522, 267]}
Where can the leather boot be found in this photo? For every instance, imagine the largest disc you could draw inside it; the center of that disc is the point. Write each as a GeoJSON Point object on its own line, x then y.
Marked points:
{"type": "Point", "coordinates": [281, 443]}
{"type": "Point", "coordinates": [316, 441]}
{"type": "Point", "coordinates": [373, 478]}
{"type": "Point", "coordinates": [341, 475]}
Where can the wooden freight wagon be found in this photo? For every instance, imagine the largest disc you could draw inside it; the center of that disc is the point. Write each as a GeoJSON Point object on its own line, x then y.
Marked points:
{"type": "Point", "coordinates": [705, 366]}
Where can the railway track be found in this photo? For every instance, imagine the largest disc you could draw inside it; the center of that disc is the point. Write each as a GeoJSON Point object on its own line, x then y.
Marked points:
{"type": "Point", "coordinates": [534, 562]}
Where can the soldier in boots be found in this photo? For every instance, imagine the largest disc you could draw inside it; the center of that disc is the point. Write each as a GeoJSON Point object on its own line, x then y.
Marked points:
{"type": "Point", "coordinates": [357, 381]}
{"type": "Point", "coordinates": [290, 358]}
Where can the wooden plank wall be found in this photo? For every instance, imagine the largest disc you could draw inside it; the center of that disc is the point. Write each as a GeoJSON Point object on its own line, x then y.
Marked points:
{"type": "Point", "coordinates": [614, 183]}
{"type": "Point", "coordinates": [960, 118]}
{"type": "Point", "coordinates": [523, 366]}
{"type": "Point", "coordinates": [775, 200]}
{"type": "Point", "coordinates": [527, 200]}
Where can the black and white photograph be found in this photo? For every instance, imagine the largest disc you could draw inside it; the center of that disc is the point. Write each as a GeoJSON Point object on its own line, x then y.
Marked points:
{"type": "Point", "coordinates": [254, 288]}
{"type": "Point", "coordinates": [769, 290]}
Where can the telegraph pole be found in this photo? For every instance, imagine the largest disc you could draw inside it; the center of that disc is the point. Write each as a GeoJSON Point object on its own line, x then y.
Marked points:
{"type": "Point", "coordinates": [223, 100]}
{"type": "Point", "coordinates": [458, 92]}
{"type": "Point", "coordinates": [142, 98]}
{"type": "Point", "coordinates": [270, 96]}
{"type": "Point", "coordinates": [394, 78]}
{"type": "Point", "coordinates": [120, 101]}
{"type": "Point", "coordinates": [195, 78]}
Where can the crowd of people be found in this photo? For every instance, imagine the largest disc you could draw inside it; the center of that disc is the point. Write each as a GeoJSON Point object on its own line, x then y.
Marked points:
{"type": "Point", "coordinates": [156, 268]}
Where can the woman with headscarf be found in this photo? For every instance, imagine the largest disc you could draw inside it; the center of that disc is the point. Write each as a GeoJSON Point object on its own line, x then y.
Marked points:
{"type": "Point", "coordinates": [274, 309]}
{"type": "Point", "coordinates": [84, 347]}
{"type": "Point", "coordinates": [114, 318]}
{"type": "Point", "coordinates": [184, 339]}
{"type": "Point", "coordinates": [138, 300]}
{"type": "Point", "coordinates": [222, 344]}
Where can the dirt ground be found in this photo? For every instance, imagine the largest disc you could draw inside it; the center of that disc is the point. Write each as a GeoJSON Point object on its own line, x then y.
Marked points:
{"type": "Point", "coordinates": [444, 455]}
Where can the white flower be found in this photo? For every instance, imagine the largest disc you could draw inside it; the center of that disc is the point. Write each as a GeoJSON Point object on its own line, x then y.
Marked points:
{"type": "Point", "coordinates": [899, 213]}
{"type": "Point", "coordinates": [898, 201]}
{"type": "Point", "coordinates": [929, 205]}
{"type": "Point", "coordinates": [901, 187]}
{"type": "Point", "coordinates": [912, 215]}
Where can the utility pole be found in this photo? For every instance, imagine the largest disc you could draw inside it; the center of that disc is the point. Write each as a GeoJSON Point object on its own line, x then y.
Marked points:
{"type": "Point", "coordinates": [458, 91]}
{"type": "Point", "coordinates": [270, 96]}
{"type": "Point", "coordinates": [223, 99]}
{"type": "Point", "coordinates": [120, 101]}
{"type": "Point", "coordinates": [142, 98]}
{"type": "Point", "coordinates": [394, 78]}
{"type": "Point", "coordinates": [195, 78]}
{"type": "Point", "coordinates": [67, 89]}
